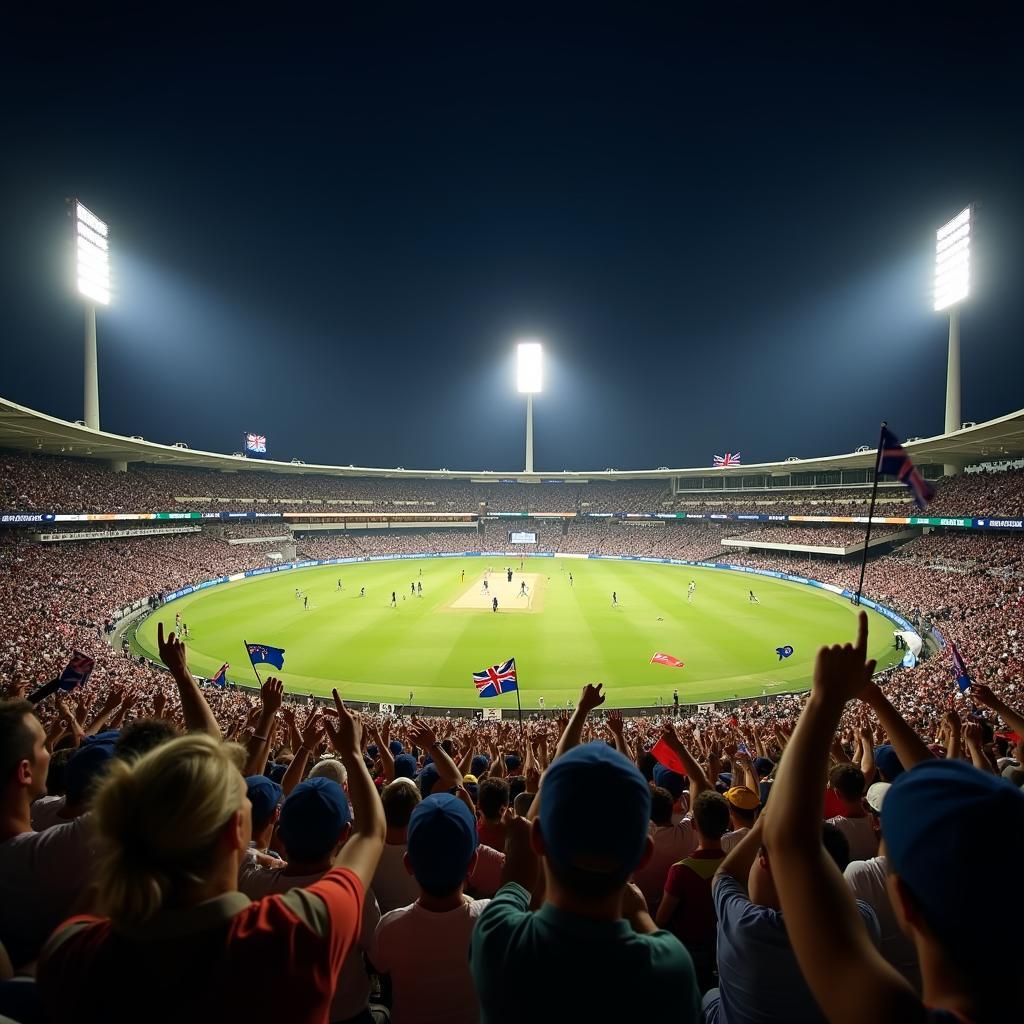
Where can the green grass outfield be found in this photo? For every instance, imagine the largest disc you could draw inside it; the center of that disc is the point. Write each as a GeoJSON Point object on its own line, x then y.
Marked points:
{"type": "Point", "coordinates": [374, 652]}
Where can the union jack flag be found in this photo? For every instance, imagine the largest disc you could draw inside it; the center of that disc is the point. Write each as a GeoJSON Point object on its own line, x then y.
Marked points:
{"type": "Point", "coordinates": [497, 679]}
{"type": "Point", "coordinates": [727, 459]}
{"type": "Point", "coordinates": [256, 443]}
{"type": "Point", "coordinates": [892, 459]}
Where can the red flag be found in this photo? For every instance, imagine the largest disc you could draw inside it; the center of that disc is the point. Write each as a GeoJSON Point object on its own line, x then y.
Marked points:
{"type": "Point", "coordinates": [665, 659]}
{"type": "Point", "coordinates": [665, 755]}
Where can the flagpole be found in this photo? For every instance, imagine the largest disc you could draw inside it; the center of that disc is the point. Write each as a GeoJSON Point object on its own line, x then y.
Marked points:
{"type": "Point", "coordinates": [520, 707]}
{"type": "Point", "coordinates": [255, 673]}
{"type": "Point", "coordinates": [871, 515]}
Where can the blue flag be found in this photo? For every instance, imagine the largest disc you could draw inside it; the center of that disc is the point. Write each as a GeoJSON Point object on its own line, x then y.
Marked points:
{"type": "Point", "coordinates": [892, 459]}
{"type": "Point", "coordinates": [260, 653]}
{"type": "Point", "coordinates": [960, 673]}
{"type": "Point", "coordinates": [221, 679]}
{"type": "Point", "coordinates": [784, 652]}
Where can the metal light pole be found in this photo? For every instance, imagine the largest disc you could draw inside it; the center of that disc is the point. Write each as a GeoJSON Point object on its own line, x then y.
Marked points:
{"type": "Point", "coordinates": [529, 355]}
{"type": "Point", "coordinates": [952, 286]}
{"type": "Point", "coordinates": [92, 264]}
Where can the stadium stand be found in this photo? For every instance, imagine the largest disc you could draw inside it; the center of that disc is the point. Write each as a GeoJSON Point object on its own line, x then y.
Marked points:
{"type": "Point", "coordinates": [175, 809]}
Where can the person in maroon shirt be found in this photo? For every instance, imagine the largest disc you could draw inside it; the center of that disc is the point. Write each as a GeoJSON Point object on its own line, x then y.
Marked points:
{"type": "Point", "coordinates": [687, 909]}
{"type": "Point", "coordinates": [493, 799]}
{"type": "Point", "coordinates": [174, 940]}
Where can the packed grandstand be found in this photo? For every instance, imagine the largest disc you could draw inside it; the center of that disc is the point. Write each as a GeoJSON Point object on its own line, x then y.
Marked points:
{"type": "Point", "coordinates": [70, 584]}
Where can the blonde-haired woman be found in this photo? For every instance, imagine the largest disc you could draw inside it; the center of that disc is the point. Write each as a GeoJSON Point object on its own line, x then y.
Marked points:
{"type": "Point", "coordinates": [173, 939]}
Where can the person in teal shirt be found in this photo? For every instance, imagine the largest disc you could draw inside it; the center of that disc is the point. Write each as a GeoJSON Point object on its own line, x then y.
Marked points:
{"type": "Point", "coordinates": [592, 951]}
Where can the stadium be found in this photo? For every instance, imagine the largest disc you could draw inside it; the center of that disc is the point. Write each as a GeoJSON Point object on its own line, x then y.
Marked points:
{"type": "Point", "coordinates": [721, 738]}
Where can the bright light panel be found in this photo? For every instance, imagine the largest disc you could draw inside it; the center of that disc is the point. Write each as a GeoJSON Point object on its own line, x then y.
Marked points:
{"type": "Point", "coordinates": [529, 375]}
{"type": "Point", "coordinates": [92, 256]}
{"type": "Point", "coordinates": [953, 260]}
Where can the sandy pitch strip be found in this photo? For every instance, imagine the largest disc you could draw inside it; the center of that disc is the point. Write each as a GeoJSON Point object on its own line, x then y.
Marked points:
{"type": "Point", "coordinates": [509, 598]}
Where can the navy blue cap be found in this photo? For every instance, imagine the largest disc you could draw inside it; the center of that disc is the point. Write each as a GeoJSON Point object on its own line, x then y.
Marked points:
{"type": "Point", "coordinates": [441, 841]}
{"type": "Point", "coordinates": [312, 819]}
{"type": "Point", "coordinates": [264, 796]}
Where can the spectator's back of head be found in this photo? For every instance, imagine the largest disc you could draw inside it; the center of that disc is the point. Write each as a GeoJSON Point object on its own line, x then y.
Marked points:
{"type": "Point", "coordinates": [400, 799]}
{"type": "Point", "coordinates": [522, 804]}
{"type": "Point", "coordinates": [442, 844]}
{"type": "Point", "coordinates": [160, 820]}
{"type": "Point", "coordinates": [848, 781]}
{"type": "Point", "coordinates": [669, 780]}
{"type": "Point", "coordinates": [661, 805]}
{"type": "Point", "coordinates": [594, 817]}
{"type": "Point", "coordinates": [314, 820]}
{"type": "Point", "coordinates": [265, 796]}
{"type": "Point", "coordinates": [143, 735]}
{"type": "Point", "coordinates": [494, 796]}
{"type": "Point", "coordinates": [85, 768]}
{"type": "Point", "coordinates": [711, 813]}
{"type": "Point", "coordinates": [330, 768]}
{"type": "Point", "coordinates": [837, 846]}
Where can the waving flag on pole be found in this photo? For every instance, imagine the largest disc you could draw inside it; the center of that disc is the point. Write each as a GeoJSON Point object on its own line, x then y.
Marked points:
{"type": "Point", "coordinates": [892, 459]}
{"type": "Point", "coordinates": [497, 679]}
{"type": "Point", "coordinates": [666, 659]}
{"type": "Point", "coordinates": [221, 679]}
{"type": "Point", "coordinates": [728, 459]}
{"type": "Point", "coordinates": [260, 653]}
{"type": "Point", "coordinates": [963, 680]}
{"type": "Point", "coordinates": [256, 444]}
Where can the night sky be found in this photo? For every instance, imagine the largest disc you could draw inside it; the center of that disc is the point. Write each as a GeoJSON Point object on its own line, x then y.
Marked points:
{"type": "Point", "coordinates": [334, 232]}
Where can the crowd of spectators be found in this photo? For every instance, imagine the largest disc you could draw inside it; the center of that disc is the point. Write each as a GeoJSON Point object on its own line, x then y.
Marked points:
{"type": "Point", "coordinates": [815, 536]}
{"type": "Point", "coordinates": [66, 485]}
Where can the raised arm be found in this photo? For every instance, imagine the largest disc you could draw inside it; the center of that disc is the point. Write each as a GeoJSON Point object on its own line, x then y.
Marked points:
{"type": "Point", "coordinates": [909, 747]}
{"type": "Point", "coordinates": [590, 698]}
{"type": "Point", "coordinates": [981, 694]}
{"type": "Point", "coordinates": [257, 748]}
{"type": "Point", "coordinates": [362, 851]}
{"type": "Point", "coordinates": [196, 712]}
{"type": "Point", "coordinates": [447, 770]}
{"type": "Point", "coordinates": [309, 736]}
{"type": "Point", "coordinates": [614, 725]}
{"type": "Point", "coordinates": [698, 780]}
{"type": "Point", "coordinates": [847, 976]}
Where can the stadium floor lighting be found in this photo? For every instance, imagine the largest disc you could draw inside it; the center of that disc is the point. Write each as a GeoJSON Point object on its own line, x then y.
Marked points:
{"type": "Point", "coordinates": [529, 357]}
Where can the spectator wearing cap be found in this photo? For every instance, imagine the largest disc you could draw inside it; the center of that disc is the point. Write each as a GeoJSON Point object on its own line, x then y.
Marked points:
{"type": "Point", "coordinates": [265, 797]}
{"type": "Point", "coordinates": [686, 908]}
{"type": "Point", "coordinates": [590, 835]}
{"type": "Point", "coordinates": [405, 766]}
{"type": "Point", "coordinates": [315, 822]}
{"type": "Point", "coordinates": [846, 781]}
{"type": "Point", "coordinates": [674, 783]}
{"type": "Point", "coordinates": [944, 877]}
{"type": "Point", "coordinates": [743, 804]}
{"type": "Point", "coordinates": [422, 947]}
{"type": "Point", "coordinates": [392, 883]}
{"type": "Point", "coordinates": [172, 930]}
{"type": "Point", "coordinates": [42, 874]}
{"type": "Point", "coordinates": [868, 880]}
{"type": "Point", "coordinates": [85, 766]}
{"type": "Point", "coordinates": [493, 798]}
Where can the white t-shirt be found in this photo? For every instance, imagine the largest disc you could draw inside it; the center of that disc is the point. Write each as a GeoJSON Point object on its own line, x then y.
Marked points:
{"type": "Point", "coordinates": [733, 839]}
{"type": "Point", "coordinates": [427, 956]}
{"type": "Point", "coordinates": [867, 880]}
{"type": "Point", "coordinates": [394, 886]}
{"type": "Point", "coordinates": [671, 844]}
{"type": "Point", "coordinates": [353, 991]}
{"type": "Point", "coordinates": [42, 877]}
{"type": "Point", "coordinates": [859, 834]}
{"type": "Point", "coordinates": [45, 812]}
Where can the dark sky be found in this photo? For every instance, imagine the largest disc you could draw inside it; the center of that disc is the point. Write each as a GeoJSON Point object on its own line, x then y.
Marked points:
{"type": "Point", "coordinates": [333, 232]}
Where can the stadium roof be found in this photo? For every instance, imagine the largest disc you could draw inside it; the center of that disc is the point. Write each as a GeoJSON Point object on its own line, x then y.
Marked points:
{"type": "Point", "coordinates": [24, 429]}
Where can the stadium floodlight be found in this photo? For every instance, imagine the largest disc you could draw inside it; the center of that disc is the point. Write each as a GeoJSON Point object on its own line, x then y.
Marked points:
{"type": "Point", "coordinates": [92, 268]}
{"type": "Point", "coordinates": [952, 286]}
{"type": "Point", "coordinates": [529, 355]}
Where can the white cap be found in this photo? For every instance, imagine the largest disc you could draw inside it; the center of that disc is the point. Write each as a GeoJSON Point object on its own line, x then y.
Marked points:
{"type": "Point", "coordinates": [875, 796]}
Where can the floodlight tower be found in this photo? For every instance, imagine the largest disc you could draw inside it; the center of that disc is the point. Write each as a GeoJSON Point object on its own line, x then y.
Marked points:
{"type": "Point", "coordinates": [529, 355]}
{"type": "Point", "coordinates": [92, 264]}
{"type": "Point", "coordinates": [952, 286]}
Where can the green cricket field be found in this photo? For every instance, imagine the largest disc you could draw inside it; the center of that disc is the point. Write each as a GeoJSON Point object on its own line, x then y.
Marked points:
{"type": "Point", "coordinates": [556, 617]}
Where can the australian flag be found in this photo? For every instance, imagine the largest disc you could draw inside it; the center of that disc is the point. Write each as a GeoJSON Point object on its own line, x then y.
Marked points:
{"type": "Point", "coordinates": [221, 678]}
{"type": "Point", "coordinates": [894, 461]}
{"type": "Point", "coordinates": [963, 680]}
{"type": "Point", "coordinates": [261, 653]}
{"type": "Point", "coordinates": [497, 679]}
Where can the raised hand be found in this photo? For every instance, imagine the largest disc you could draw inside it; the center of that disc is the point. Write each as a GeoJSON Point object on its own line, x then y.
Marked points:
{"type": "Point", "coordinates": [614, 723]}
{"type": "Point", "coordinates": [591, 697]}
{"type": "Point", "coordinates": [311, 731]}
{"type": "Point", "coordinates": [272, 694]}
{"type": "Point", "coordinates": [842, 672]}
{"type": "Point", "coordinates": [347, 739]}
{"type": "Point", "coordinates": [172, 652]}
{"type": "Point", "coordinates": [421, 734]}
